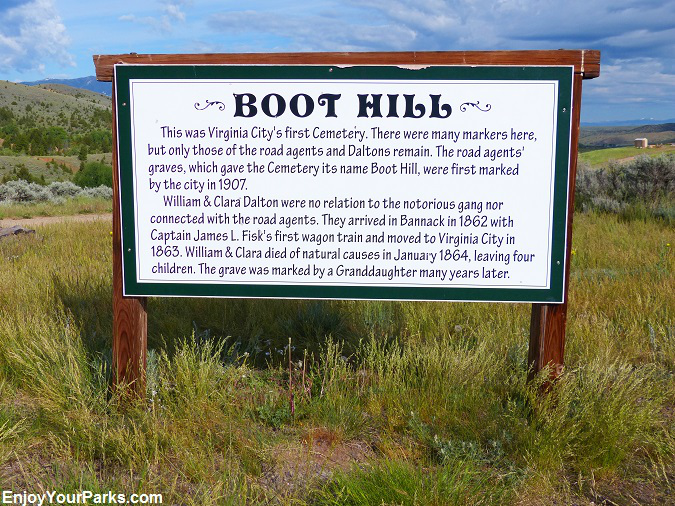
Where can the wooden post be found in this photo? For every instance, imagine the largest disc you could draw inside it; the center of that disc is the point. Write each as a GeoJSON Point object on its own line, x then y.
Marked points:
{"type": "Point", "coordinates": [130, 319]}
{"type": "Point", "coordinates": [548, 321]}
{"type": "Point", "coordinates": [547, 331]}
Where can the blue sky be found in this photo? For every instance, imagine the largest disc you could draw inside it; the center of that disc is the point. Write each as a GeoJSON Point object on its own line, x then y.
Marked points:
{"type": "Point", "coordinates": [57, 38]}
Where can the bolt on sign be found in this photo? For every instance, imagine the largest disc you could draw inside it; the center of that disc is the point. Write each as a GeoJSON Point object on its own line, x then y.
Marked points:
{"type": "Point", "coordinates": [372, 182]}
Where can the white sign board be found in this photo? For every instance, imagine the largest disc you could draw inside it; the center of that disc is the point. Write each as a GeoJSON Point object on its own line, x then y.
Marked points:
{"type": "Point", "coordinates": [443, 183]}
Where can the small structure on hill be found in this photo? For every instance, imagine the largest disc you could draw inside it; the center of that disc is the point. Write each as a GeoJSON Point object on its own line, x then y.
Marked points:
{"type": "Point", "coordinates": [641, 143]}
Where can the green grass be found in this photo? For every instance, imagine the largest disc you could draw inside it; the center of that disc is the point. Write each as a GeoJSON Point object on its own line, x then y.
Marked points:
{"type": "Point", "coordinates": [599, 157]}
{"type": "Point", "coordinates": [70, 207]}
{"type": "Point", "coordinates": [403, 402]}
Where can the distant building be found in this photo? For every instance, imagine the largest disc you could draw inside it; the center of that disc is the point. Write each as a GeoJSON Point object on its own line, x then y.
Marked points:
{"type": "Point", "coordinates": [641, 143]}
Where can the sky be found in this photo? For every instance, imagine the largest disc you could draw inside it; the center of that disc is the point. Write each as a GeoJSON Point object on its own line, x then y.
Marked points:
{"type": "Point", "coordinates": [56, 38]}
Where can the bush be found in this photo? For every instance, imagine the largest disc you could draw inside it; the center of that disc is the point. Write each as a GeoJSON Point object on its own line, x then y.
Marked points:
{"type": "Point", "coordinates": [6, 193]}
{"type": "Point", "coordinates": [94, 174]}
{"type": "Point", "coordinates": [645, 183]}
{"type": "Point", "coordinates": [64, 189]}
{"type": "Point", "coordinates": [23, 192]}
{"type": "Point", "coordinates": [650, 178]}
{"type": "Point", "coordinates": [100, 192]}
{"type": "Point", "coordinates": [587, 185]}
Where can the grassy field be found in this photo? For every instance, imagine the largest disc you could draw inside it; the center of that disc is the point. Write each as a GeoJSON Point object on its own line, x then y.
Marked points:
{"type": "Point", "coordinates": [70, 207]}
{"type": "Point", "coordinates": [394, 402]}
{"type": "Point", "coordinates": [599, 157]}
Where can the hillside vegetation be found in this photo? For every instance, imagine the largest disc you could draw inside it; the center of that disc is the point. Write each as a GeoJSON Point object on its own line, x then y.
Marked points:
{"type": "Point", "coordinates": [625, 135]}
{"type": "Point", "coordinates": [54, 98]}
{"type": "Point", "coordinates": [53, 119]}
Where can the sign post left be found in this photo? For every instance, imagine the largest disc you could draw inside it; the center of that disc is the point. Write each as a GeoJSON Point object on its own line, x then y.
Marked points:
{"type": "Point", "coordinates": [130, 317]}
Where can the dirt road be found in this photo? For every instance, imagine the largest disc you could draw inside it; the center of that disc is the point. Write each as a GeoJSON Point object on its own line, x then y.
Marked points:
{"type": "Point", "coordinates": [46, 220]}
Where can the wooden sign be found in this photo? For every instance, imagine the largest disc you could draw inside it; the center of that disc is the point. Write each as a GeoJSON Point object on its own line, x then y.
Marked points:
{"type": "Point", "coordinates": [441, 183]}
{"type": "Point", "coordinates": [303, 152]}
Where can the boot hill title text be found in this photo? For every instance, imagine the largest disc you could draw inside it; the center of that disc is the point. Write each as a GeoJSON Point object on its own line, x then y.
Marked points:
{"type": "Point", "coordinates": [302, 105]}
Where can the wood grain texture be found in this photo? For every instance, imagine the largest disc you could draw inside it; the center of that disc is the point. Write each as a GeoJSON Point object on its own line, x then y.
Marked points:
{"type": "Point", "coordinates": [130, 318]}
{"type": "Point", "coordinates": [548, 322]}
{"type": "Point", "coordinates": [586, 62]}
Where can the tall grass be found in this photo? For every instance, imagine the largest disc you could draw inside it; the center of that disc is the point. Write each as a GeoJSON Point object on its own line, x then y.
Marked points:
{"type": "Point", "coordinates": [395, 402]}
{"type": "Point", "coordinates": [69, 207]}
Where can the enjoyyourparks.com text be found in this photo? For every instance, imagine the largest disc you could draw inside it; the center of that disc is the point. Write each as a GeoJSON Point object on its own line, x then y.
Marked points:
{"type": "Point", "coordinates": [25, 498]}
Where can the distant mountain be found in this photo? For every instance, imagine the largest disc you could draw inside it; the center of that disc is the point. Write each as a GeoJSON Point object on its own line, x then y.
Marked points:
{"type": "Point", "coordinates": [85, 83]}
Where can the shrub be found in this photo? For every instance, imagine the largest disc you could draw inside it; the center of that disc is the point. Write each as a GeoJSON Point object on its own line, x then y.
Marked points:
{"type": "Point", "coordinates": [649, 178]}
{"type": "Point", "coordinates": [6, 193]}
{"type": "Point", "coordinates": [645, 183]}
{"type": "Point", "coordinates": [64, 189]}
{"type": "Point", "coordinates": [23, 192]}
{"type": "Point", "coordinates": [587, 185]}
{"type": "Point", "coordinates": [100, 192]}
{"type": "Point", "coordinates": [94, 174]}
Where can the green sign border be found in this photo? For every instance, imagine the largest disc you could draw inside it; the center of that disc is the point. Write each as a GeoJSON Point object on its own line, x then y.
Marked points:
{"type": "Point", "coordinates": [554, 294]}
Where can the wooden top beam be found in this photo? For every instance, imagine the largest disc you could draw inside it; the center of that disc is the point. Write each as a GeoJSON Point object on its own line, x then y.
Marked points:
{"type": "Point", "coordinates": [586, 62]}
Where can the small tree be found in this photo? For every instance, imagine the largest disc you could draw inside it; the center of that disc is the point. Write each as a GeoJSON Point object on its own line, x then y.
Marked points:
{"type": "Point", "coordinates": [82, 156]}
{"type": "Point", "coordinates": [94, 174]}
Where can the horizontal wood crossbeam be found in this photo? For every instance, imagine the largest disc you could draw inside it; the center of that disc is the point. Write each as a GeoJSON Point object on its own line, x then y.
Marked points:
{"type": "Point", "coordinates": [586, 62]}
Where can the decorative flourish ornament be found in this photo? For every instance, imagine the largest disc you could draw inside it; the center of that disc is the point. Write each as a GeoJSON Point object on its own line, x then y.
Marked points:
{"type": "Point", "coordinates": [475, 105]}
{"type": "Point", "coordinates": [209, 103]}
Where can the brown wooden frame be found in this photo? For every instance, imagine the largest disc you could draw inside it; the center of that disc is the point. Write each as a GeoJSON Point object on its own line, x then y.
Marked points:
{"type": "Point", "coordinates": [548, 321]}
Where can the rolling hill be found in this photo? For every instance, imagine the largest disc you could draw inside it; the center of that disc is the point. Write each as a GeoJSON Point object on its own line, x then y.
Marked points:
{"type": "Point", "coordinates": [52, 104]}
{"type": "Point", "coordinates": [614, 136]}
{"type": "Point", "coordinates": [53, 119]}
{"type": "Point", "coordinates": [76, 111]}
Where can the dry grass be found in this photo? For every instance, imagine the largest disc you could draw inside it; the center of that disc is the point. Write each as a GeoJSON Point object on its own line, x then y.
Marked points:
{"type": "Point", "coordinates": [404, 403]}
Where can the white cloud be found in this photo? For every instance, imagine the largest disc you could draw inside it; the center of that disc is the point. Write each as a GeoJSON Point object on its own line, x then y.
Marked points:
{"type": "Point", "coordinates": [530, 24]}
{"type": "Point", "coordinates": [633, 80]}
{"type": "Point", "coordinates": [636, 39]}
{"type": "Point", "coordinates": [173, 10]}
{"type": "Point", "coordinates": [315, 32]}
{"type": "Point", "coordinates": [169, 12]}
{"type": "Point", "coordinates": [31, 34]}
